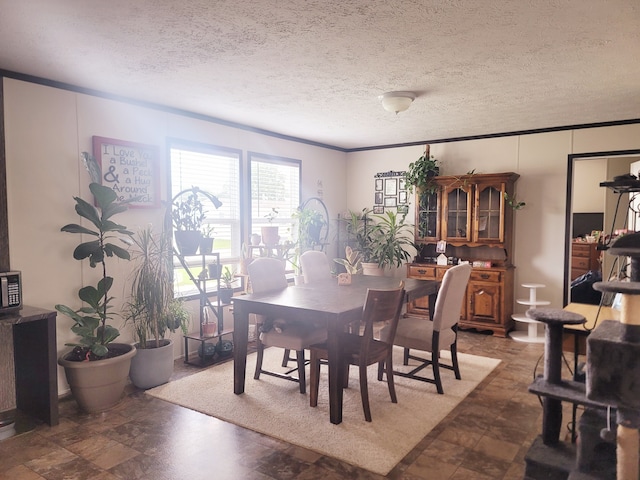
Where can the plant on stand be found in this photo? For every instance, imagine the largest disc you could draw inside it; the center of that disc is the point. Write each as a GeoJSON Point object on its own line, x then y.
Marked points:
{"type": "Point", "coordinates": [97, 369]}
{"type": "Point", "coordinates": [226, 291]}
{"type": "Point", "coordinates": [270, 235]}
{"type": "Point", "coordinates": [206, 241]}
{"type": "Point", "coordinates": [152, 309]}
{"type": "Point", "coordinates": [420, 173]}
{"type": "Point", "coordinates": [310, 224]}
{"type": "Point", "coordinates": [187, 216]}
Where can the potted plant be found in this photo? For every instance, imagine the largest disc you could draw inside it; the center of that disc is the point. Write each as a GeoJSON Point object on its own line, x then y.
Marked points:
{"type": "Point", "coordinates": [420, 173]}
{"type": "Point", "coordinates": [206, 239]}
{"type": "Point", "coordinates": [310, 224]}
{"type": "Point", "coordinates": [97, 369]}
{"type": "Point", "coordinates": [358, 226]}
{"type": "Point", "coordinates": [270, 235]}
{"type": "Point", "coordinates": [226, 291]}
{"type": "Point", "coordinates": [352, 263]}
{"type": "Point", "coordinates": [187, 216]}
{"type": "Point", "coordinates": [152, 310]}
{"type": "Point", "coordinates": [390, 237]}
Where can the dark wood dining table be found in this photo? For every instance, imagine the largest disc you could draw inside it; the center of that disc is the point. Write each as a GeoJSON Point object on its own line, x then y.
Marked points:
{"type": "Point", "coordinates": [321, 303]}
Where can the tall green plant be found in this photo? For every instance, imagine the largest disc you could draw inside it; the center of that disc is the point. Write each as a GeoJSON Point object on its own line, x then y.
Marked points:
{"type": "Point", "coordinates": [91, 320]}
{"type": "Point", "coordinates": [390, 237]}
{"type": "Point", "coordinates": [152, 309]}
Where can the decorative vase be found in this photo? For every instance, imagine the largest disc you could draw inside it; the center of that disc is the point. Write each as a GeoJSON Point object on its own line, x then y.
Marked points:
{"type": "Point", "coordinates": [372, 269]}
{"type": "Point", "coordinates": [206, 245]}
{"type": "Point", "coordinates": [209, 329]}
{"type": "Point", "coordinates": [99, 385]}
{"type": "Point", "coordinates": [255, 239]}
{"type": "Point", "coordinates": [188, 241]}
{"type": "Point", "coordinates": [214, 270]}
{"type": "Point", "coordinates": [270, 235]}
{"type": "Point", "coordinates": [153, 366]}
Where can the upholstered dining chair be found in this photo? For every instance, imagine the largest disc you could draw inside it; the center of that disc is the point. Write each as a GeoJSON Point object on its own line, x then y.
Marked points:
{"type": "Point", "coordinates": [315, 266]}
{"type": "Point", "coordinates": [268, 275]}
{"type": "Point", "coordinates": [439, 333]}
{"type": "Point", "coordinates": [364, 350]}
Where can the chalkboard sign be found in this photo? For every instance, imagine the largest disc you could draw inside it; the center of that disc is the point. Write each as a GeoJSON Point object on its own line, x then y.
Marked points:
{"type": "Point", "coordinates": [130, 169]}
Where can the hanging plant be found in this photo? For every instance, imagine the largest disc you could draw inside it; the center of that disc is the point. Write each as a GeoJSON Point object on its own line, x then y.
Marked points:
{"type": "Point", "coordinates": [420, 173]}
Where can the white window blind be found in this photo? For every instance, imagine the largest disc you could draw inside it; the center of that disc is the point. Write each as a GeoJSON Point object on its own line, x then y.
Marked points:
{"type": "Point", "coordinates": [216, 171]}
{"type": "Point", "coordinates": [275, 184]}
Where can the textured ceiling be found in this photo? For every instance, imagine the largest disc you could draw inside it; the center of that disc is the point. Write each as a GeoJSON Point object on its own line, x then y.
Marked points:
{"type": "Point", "coordinates": [314, 69]}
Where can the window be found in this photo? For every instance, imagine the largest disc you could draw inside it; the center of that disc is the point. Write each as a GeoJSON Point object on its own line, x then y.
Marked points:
{"type": "Point", "coordinates": [217, 171]}
{"type": "Point", "coordinates": [275, 192]}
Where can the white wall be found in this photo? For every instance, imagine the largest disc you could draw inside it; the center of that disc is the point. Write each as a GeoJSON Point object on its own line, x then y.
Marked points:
{"type": "Point", "coordinates": [47, 128]}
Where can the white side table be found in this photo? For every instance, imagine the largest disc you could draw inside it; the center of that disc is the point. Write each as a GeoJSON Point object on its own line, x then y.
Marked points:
{"type": "Point", "coordinates": [532, 335]}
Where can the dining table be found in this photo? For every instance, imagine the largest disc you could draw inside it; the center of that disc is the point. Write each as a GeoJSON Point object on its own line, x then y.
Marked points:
{"type": "Point", "coordinates": [321, 303]}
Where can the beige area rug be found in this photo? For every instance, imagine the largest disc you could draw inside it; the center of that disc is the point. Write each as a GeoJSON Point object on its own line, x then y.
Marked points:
{"type": "Point", "coordinates": [276, 408]}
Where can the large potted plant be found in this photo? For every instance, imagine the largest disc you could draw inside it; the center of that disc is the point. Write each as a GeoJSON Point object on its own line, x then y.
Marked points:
{"type": "Point", "coordinates": [310, 225]}
{"type": "Point", "coordinates": [96, 368]}
{"type": "Point", "coordinates": [390, 238]}
{"type": "Point", "coordinates": [152, 310]}
{"type": "Point", "coordinates": [421, 173]}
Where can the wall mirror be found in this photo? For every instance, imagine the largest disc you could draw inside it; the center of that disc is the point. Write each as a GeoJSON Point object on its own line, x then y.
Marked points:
{"type": "Point", "coordinates": [591, 207]}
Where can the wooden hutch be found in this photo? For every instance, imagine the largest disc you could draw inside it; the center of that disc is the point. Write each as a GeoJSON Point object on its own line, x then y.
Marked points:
{"type": "Point", "coordinates": [471, 214]}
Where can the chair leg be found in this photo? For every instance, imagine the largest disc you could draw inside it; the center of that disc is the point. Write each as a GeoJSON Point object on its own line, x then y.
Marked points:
{"type": "Point", "coordinates": [259, 356]}
{"type": "Point", "coordinates": [405, 360]}
{"type": "Point", "coordinates": [390, 381]}
{"type": "Point", "coordinates": [380, 370]}
{"type": "Point", "coordinates": [314, 380]}
{"type": "Point", "coordinates": [454, 360]}
{"type": "Point", "coordinates": [301, 374]}
{"type": "Point", "coordinates": [436, 370]}
{"type": "Point", "coordinates": [286, 357]}
{"type": "Point", "coordinates": [364, 392]}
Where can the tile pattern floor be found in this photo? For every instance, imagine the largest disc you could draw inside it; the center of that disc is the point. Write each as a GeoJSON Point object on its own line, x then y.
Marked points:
{"type": "Point", "coordinates": [484, 438]}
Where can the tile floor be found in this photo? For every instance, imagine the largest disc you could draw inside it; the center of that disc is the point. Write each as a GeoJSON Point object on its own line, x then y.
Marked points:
{"type": "Point", "coordinates": [484, 438]}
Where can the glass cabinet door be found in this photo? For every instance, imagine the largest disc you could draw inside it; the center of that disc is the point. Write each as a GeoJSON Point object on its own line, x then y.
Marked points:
{"type": "Point", "coordinates": [457, 218]}
{"type": "Point", "coordinates": [489, 217]}
{"type": "Point", "coordinates": [427, 217]}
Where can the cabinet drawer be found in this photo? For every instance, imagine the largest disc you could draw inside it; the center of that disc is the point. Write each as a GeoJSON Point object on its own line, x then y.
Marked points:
{"type": "Point", "coordinates": [580, 262]}
{"type": "Point", "coordinates": [421, 271]}
{"type": "Point", "coordinates": [580, 250]}
{"type": "Point", "coordinates": [485, 276]}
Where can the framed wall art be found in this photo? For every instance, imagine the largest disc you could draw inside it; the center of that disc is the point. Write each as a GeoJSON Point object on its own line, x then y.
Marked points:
{"type": "Point", "coordinates": [130, 169]}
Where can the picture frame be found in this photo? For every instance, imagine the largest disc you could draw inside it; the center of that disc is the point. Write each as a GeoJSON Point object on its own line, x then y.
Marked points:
{"type": "Point", "coordinates": [390, 187]}
{"type": "Point", "coordinates": [403, 208]}
{"type": "Point", "coordinates": [378, 198]}
{"type": "Point", "coordinates": [390, 201]}
{"type": "Point", "coordinates": [378, 184]}
{"type": "Point", "coordinates": [402, 197]}
{"type": "Point", "coordinates": [378, 210]}
{"type": "Point", "coordinates": [402, 184]}
{"type": "Point", "coordinates": [130, 169]}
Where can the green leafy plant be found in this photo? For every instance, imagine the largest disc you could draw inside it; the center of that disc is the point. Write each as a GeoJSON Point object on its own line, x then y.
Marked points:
{"type": "Point", "coordinates": [310, 223]}
{"type": "Point", "coordinates": [91, 320]}
{"type": "Point", "coordinates": [512, 202]}
{"type": "Point", "coordinates": [152, 309]}
{"type": "Point", "coordinates": [390, 237]}
{"type": "Point", "coordinates": [272, 215]}
{"type": "Point", "coordinates": [420, 173]}
{"type": "Point", "coordinates": [358, 226]}
{"type": "Point", "coordinates": [352, 261]}
{"type": "Point", "coordinates": [227, 277]}
{"type": "Point", "coordinates": [188, 215]}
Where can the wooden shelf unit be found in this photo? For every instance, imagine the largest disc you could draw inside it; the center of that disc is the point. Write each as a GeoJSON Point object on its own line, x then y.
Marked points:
{"type": "Point", "coordinates": [584, 257]}
{"type": "Point", "coordinates": [470, 213]}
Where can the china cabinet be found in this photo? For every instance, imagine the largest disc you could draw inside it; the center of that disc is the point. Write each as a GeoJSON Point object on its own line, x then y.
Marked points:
{"type": "Point", "coordinates": [471, 219]}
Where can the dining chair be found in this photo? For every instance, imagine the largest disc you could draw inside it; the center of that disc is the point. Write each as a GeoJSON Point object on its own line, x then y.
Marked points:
{"type": "Point", "coordinates": [268, 275]}
{"type": "Point", "coordinates": [363, 349]}
{"type": "Point", "coordinates": [315, 266]}
{"type": "Point", "coordinates": [435, 334]}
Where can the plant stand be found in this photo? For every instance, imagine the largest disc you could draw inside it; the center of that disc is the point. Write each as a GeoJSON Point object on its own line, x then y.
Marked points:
{"type": "Point", "coordinates": [532, 335]}
{"type": "Point", "coordinates": [210, 347]}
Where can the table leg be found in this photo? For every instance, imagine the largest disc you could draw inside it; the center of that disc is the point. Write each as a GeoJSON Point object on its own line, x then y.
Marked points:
{"type": "Point", "coordinates": [240, 338]}
{"type": "Point", "coordinates": [335, 375]}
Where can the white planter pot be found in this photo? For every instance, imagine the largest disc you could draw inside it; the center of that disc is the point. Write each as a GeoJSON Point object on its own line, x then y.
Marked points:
{"type": "Point", "coordinates": [372, 269]}
{"type": "Point", "coordinates": [152, 366]}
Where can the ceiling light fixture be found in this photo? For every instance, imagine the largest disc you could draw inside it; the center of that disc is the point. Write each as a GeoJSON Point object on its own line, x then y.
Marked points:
{"type": "Point", "coordinates": [397, 101]}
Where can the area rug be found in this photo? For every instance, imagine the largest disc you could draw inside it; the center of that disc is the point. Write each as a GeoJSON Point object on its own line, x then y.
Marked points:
{"type": "Point", "coordinates": [276, 408]}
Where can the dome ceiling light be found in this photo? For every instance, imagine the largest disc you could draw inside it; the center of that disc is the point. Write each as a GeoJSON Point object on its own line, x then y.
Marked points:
{"type": "Point", "coordinates": [397, 101]}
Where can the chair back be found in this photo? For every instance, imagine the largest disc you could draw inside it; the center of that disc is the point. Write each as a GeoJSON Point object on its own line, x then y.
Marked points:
{"type": "Point", "coordinates": [315, 266]}
{"type": "Point", "coordinates": [381, 306]}
{"type": "Point", "coordinates": [267, 275]}
{"type": "Point", "coordinates": [450, 297]}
